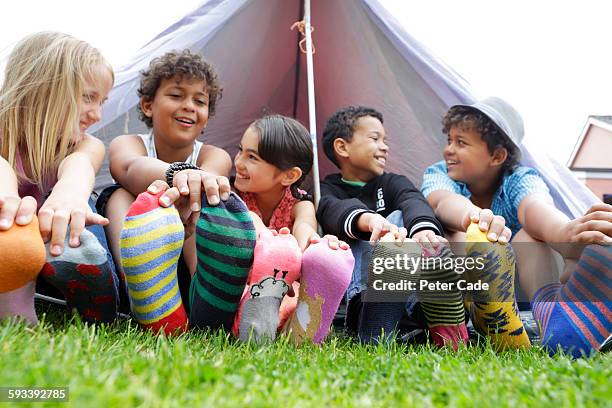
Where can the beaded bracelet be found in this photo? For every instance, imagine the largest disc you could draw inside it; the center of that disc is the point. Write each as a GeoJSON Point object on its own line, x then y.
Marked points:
{"type": "Point", "coordinates": [176, 167]}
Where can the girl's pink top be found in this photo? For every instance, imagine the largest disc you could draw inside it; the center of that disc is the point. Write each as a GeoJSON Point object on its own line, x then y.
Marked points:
{"type": "Point", "coordinates": [282, 214]}
{"type": "Point", "coordinates": [31, 189]}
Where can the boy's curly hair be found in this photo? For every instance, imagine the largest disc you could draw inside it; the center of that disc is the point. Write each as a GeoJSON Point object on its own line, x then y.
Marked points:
{"type": "Point", "coordinates": [466, 117]}
{"type": "Point", "coordinates": [342, 125]}
{"type": "Point", "coordinates": [179, 64]}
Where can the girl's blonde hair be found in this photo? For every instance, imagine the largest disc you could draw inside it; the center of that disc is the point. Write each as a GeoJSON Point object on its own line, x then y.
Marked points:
{"type": "Point", "coordinates": [39, 99]}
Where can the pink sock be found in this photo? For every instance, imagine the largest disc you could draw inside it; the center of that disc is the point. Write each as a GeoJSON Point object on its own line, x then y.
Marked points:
{"type": "Point", "coordinates": [326, 274]}
{"type": "Point", "coordinates": [277, 262]}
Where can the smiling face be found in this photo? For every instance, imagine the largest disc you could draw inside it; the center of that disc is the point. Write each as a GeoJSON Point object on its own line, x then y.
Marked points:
{"type": "Point", "coordinates": [179, 110]}
{"type": "Point", "coordinates": [467, 156]}
{"type": "Point", "coordinates": [95, 92]}
{"type": "Point", "coordinates": [365, 156]}
{"type": "Point", "coordinates": [253, 174]}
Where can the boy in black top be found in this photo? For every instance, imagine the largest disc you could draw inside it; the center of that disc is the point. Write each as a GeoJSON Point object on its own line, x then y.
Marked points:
{"type": "Point", "coordinates": [363, 203]}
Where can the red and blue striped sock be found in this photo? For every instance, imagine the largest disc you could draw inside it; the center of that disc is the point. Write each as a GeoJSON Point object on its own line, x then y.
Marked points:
{"type": "Point", "coordinates": [151, 242]}
{"type": "Point", "coordinates": [576, 317]}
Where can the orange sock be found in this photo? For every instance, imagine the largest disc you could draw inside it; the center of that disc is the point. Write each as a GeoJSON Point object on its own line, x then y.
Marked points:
{"type": "Point", "coordinates": [23, 255]}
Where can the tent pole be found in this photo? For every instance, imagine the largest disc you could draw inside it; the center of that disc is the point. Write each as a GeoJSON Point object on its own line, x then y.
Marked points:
{"type": "Point", "coordinates": [312, 116]}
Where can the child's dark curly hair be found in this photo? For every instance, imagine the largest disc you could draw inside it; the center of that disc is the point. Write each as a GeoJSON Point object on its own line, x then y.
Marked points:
{"type": "Point", "coordinates": [342, 125]}
{"type": "Point", "coordinates": [466, 117]}
{"type": "Point", "coordinates": [179, 64]}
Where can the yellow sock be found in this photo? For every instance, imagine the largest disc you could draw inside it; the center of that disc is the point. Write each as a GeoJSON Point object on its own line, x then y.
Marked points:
{"type": "Point", "coordinates": [495, 314]}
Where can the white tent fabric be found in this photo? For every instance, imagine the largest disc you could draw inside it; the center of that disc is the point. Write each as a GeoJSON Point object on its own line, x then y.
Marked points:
{"type": "Point", "coordinates": [363, 56]}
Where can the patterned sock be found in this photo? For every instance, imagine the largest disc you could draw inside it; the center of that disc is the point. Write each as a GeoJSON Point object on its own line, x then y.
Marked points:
{"type": "Point", "coordinates": [85, 278]}
{"type": "Point", "coordinates": [326, 274]}
{"type": "Point", "coordinates": [151, 242]}
{"type": "Point", "coordinates": [276, 265]}
{"type": "Point", "coordinates": [495, 314]}
{"type": "Point", "coordinates": [577, 316]}
{"type": "Point", "coordinates": [225, 240]}
{"type": "Point", "coordinates": [23, 255]}
{"type": "Point", "coordinates": [443, 309]}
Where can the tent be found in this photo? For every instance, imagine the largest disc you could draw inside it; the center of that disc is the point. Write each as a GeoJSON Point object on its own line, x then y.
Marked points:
{"type": "Point", "coordinates": [363, 56]}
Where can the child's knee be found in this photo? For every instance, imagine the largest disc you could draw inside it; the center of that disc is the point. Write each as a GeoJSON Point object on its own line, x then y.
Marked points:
{"type": "Point", "coordinates": [23, 255]}
{"type": "Point", "coordinates": [523, 236]}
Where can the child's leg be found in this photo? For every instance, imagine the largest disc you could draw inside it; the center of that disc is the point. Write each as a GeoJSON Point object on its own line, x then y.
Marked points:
{"type": "Point", "coordinates": [225, 238]}
{"type": "Point", "coordinates": [496, 315]}
{"type": "Point", "coordinates": [535, 263]}
{"type": "Point", "coordinates": [151, 242]}
{"type": "Point", "coordinates": [326, 274]}
{"type": "Point", "coordinates": [22, 257]}
{"type": "Point", "coordinates": [577, 316]}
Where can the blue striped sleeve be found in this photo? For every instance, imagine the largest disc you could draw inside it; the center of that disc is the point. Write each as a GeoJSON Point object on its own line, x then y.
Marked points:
{"type": "Point", "coordinates": [436, 178]}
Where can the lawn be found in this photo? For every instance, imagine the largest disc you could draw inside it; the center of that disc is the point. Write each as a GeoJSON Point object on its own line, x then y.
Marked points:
{"type": "Point", "coordinates": [119, 365]}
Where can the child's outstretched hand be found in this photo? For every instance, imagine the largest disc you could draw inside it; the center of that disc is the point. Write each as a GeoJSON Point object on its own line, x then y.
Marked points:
{"type": "Point", "coordinates": [594, 227]}
{"type": "Point", "coordinates": [15, 209]}
{"type": "Point", "coordinates": [192, 182]}
{"type": "Point", "coordinates": [60, 212]}
{"type": "Point", "coordinates": [428, 240]}
{"type": "Point", "coordinates": [332, 241]}
{"type": "Point", "coordinates": [172, 196]}
{"type": "Point", "coordinates": [493, 225]}
{"type": "Point", "coordinates": [379, 226]}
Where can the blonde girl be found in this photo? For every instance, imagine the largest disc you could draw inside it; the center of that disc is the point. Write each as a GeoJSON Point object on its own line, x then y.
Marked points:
{"type": "Point", "coordinates": [53, 90]}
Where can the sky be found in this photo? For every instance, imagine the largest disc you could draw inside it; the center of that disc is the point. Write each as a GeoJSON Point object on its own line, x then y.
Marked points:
{"type": "Point", "coordinates": [550, 59]}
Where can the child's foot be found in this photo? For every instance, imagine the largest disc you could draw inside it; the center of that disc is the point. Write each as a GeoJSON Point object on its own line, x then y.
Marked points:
{"type": "Point", "coordinates": [495, 315]}
{"type": "Point", "coordinates": [85, 278]}
{"type": "Point", "coordinates": [225, 240]}
{"type": "Point", "coordinates": [22, 258]}
{"type": "Point", "coordinates": [151, 243]}
{"type": "Point", "coordinates": [443, 309]}
{"type": "Point", "coordinates": [276, 265]}
{"type": "Point", "coordinates": [326, 274]}
{"type": "Point", "coordinates": [577, 316]}
{"type": "Point", "coordinates": [22, 255]}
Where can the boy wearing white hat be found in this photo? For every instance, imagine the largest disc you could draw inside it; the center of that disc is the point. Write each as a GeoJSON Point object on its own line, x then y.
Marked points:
{"type": "Point", "coordinates": [481, 182]}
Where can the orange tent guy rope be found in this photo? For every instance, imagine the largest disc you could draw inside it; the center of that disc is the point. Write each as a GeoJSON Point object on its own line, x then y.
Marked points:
{"type": "Point", "coordinates": [301, 26]}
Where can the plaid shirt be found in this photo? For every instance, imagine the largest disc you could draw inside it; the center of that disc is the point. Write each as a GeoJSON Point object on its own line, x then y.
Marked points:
{"type": "Point", "coordinates": [515, 186]}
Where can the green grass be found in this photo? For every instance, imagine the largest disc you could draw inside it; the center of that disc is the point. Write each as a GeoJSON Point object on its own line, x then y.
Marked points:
{"type": "Point", "coordinates": [119, 365]}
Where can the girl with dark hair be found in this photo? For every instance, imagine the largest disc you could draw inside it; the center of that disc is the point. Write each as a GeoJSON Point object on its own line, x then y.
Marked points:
{"type": "Point", "coordinates": [275, 155]}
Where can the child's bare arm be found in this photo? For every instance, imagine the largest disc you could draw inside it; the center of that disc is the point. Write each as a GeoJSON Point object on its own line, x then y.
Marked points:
{"type": "Point", "coordinates": [544, 222]}
{"type": "Point", "coordinates": [305, 227]}
{"type": "Point", "coordinates": [12, 207]}
{"type": "Point", "coordinates": [456, 212]}
{"type": "Point", "coordinates": [130, 166]}
{"type": "Point", "coordinates": [67, 204]}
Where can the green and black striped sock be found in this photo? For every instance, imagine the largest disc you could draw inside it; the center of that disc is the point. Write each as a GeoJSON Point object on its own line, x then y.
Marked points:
{"type": "Point", "coordinates": [225, 241]}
